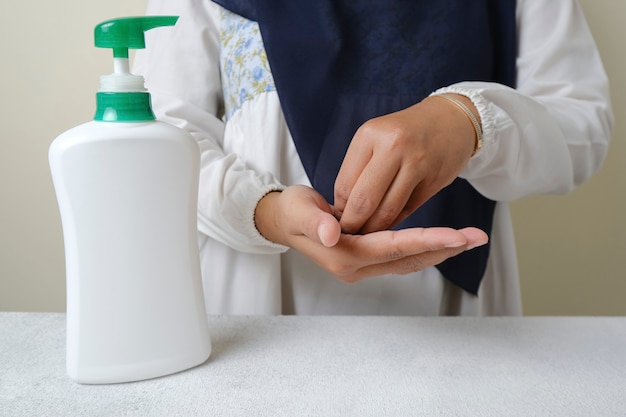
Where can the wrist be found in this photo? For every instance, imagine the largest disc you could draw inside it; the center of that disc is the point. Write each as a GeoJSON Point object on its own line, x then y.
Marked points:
{"type": "Point", "coordinates": [466, 106]}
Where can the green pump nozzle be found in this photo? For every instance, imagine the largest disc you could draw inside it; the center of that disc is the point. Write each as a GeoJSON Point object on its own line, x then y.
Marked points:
{"type": "Point", "coordinates": [128, 32]}
{"type": "Point", "coordinates": [122, 96]}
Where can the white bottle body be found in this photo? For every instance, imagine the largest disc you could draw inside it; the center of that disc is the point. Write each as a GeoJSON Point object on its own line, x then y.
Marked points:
{"type": "Point", "coordinates": [127, 195]}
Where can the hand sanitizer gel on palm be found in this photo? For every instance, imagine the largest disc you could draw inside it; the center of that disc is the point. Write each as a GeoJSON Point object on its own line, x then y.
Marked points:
{"type": "Point", "coordinates": [127, 188]}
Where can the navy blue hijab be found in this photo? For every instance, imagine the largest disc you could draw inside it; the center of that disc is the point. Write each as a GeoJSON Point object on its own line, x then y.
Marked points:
{"type": "Point", "coordinates": [338, 63]}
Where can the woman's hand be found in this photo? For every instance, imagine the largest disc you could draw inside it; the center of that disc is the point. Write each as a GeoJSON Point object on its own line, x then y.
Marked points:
{"type": "Point", "coordinates": [301, 218]}
{"type": "Point", "coordinates": [398, 161]}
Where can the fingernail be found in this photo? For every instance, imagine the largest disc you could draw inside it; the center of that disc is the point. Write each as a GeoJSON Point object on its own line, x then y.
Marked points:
{"type": "Point", "coordinates": [476, 244]}
{"type": "Point", "coordinates": [454, 245]}
{"type": "Point", "coordinates": [323, 235]}
{"type": "Point", "coordinates": [320, 234]}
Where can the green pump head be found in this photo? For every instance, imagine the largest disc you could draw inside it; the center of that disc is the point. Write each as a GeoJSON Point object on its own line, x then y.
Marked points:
{"type": "Point", "coordinates": [128, 32]}
{"type": "Point", "coordinates": [122, 96]}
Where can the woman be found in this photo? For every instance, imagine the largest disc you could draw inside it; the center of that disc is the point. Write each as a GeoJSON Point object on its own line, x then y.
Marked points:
{"type": "Point", "coordinates": [438, 116]}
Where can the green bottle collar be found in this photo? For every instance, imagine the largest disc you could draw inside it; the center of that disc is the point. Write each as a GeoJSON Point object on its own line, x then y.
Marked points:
{"type": "Point", "coordinates": [123, 107]}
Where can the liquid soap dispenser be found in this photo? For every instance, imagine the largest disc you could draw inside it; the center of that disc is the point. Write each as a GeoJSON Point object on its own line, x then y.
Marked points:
{"type": "Point", "coordinates": [127, 186]}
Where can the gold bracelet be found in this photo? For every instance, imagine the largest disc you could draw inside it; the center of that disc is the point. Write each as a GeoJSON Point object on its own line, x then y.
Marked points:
{"type": "Point", "coordinates": [477, 128]}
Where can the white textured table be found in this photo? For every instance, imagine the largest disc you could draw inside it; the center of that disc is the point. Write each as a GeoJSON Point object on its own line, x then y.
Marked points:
{"type": "Point", "coordinates": [341, 366]}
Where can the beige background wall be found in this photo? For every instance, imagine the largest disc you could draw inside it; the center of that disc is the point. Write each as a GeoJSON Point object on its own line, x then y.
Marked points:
{"type": "Point", "coordinates": [571, 248]}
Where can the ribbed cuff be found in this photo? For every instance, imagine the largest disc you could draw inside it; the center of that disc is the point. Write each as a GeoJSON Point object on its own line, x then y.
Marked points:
{"type": "Point", "coordinates": [250, 226]}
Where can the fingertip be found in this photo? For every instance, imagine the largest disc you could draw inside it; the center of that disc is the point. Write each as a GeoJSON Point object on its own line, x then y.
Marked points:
{"type": "Point", "coordinates": [475, 237]}
{"type": "Point", "coordinates": [349, 229]}
{"type": "Point", "coordinates": [329, 232]}
{"type": "Point", "coordinates": [336, 212]}
{"type": "Point", "coordinates": [476, 244]}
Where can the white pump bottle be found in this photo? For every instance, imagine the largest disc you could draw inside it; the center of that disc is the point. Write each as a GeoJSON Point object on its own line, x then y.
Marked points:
{"type": "Point", "coordinates": [127, 188]}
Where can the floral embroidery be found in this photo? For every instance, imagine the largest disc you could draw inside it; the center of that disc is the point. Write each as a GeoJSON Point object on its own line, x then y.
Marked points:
{"type": "Point", "coordinates": [245, 69]}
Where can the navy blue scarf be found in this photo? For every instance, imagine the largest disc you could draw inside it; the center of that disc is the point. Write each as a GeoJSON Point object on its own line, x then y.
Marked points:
{"type": "Point", "coordinates": [338, 63]}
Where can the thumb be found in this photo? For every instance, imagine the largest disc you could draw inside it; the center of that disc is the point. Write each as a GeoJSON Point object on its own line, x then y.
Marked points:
{"type": "Point", "coordinates": [328, 230]}
{"type": "Point", "coordinates": [310, 215]}
{"type": "Point", "coordinates": [321, 226]}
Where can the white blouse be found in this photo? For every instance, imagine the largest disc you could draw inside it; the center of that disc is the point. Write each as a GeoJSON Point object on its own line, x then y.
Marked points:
{"type": "Point", "coordinates": [209, 75]}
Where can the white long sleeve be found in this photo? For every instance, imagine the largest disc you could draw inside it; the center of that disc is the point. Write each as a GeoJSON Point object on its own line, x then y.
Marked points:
{"type": "Point", "coordinates": [181, 67]}
{"type": "Point", "coordinates": [552, 132]}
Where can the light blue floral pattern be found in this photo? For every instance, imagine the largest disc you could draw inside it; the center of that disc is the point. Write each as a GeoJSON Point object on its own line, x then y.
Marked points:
{"type": "Point", "coordinates": [245, 70]}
